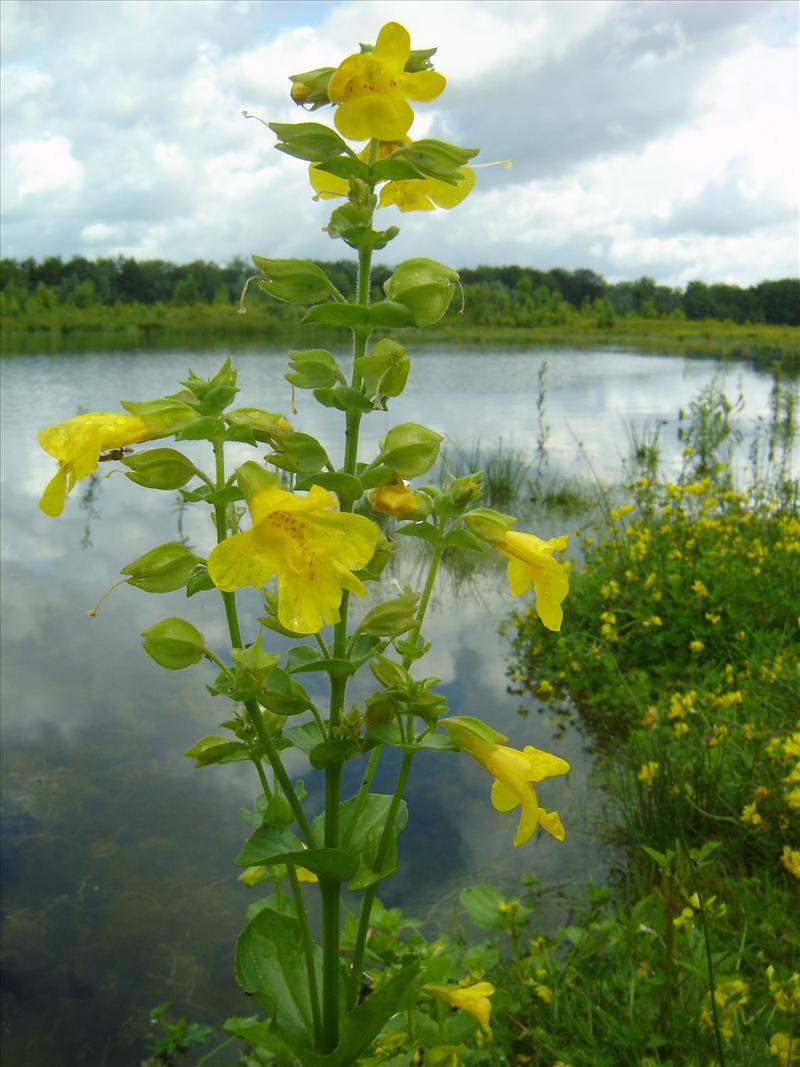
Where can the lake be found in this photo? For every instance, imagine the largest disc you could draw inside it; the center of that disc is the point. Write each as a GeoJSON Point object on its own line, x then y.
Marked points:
{"type": "Point", "coordinates": [119, 886]}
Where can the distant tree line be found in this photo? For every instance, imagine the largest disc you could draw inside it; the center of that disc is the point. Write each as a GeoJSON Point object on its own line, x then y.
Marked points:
{"type": "Point", "coordinates": [495, 296]}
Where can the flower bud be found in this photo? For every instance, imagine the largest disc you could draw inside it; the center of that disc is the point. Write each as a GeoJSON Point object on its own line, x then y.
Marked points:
{"type": "Point", "coordinates": [160, 468]}
{"type": "Point", "coordinates": [425, 287]}
{"type": "Point", "coordinates": [174, 644]}
{"type": "Point", "coordinates": [310, 89]}
{"type": "Point", "coordinates": [410, 449]}
{"type": "Point", "coordinates": [464, 490]}
{"type": "Point", "coordinates": [401, 502]}
{"type": "Point", "coordinates": [489, 525]}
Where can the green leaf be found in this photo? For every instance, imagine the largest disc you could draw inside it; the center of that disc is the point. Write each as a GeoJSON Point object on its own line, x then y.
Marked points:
{"type": "Point", "coordinates": [308, 140]}
{"type": "Point", "coordinates": [337, 750]}
{"type": "Point", "coordinates": [205, 428]}
{"type": "Point", "coordinates": [398, 170]}
{"type": "Point", "coordinates": [424, 530]}
{"type": "Point", "coordinates": [388, 733]}
{"type": "Point", "coordinates": [338, 315]}
{"type": "Point", "coordinates": [269, 964]}
{"type": "Point", "coordinates": [362, 1025]}
{"type": "Point", "coordinates": [304, 737]}
{"type": "Point", "coordinates": [343, 398]}
{"type": "Point", "coordinates": [482, 903]}
{"type": "Point", "coordinates": [462, 538]}
{"type": "Point", "coordinates": [268, 845]}
{"type": "Point", "coordinates": [345, 167]}
{"type": "Point", "coordinates": [306, 660]}
{"type": "Point", "coordinates": [211, 749]}
{"type": "Point", "coordinates": [363, 839]}
{"type": "Point", "coordinates": [258, 1034]}
{"type": "Point", "coordinates": [283, 696]}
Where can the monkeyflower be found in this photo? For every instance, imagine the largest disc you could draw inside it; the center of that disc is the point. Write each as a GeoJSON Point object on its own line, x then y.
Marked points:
{"type": "Point", "coordinates": [312, 550]}
{"type": "Point", "coordinates": [372, 89]}
{"type": "Point", "coordinates": [77, 445]}
{"type": "Point", "coordinates": [473, 999]}
{"type": "Point", "coordinates": [513, 771]}
{"type": "Point", "coordinates": [530, 562]}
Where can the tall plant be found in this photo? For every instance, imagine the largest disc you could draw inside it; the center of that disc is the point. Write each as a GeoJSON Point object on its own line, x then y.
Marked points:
{"type": "Point", "coordinates": [308, 549]}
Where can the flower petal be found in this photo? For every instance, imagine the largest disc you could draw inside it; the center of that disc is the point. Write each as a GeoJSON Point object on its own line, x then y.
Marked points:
{"type": "Point", "coordinates": [386, 117]}
{"type": "Point", "coordinates": [542, 764]}
{"type": "Point", "coordinates": [528, 819]}
{"type": "Point", "coordinates": [549, 820]}
{"type": "Point", "coordinates": [393, 45]}
{"type": "Point", "coordinates": [241, 560]}
{"type": "Point", "coordinates": [503, 797]}
{"type": "Point", "coordinates": [309, 600]}
{"type": "Point", "coordinates": [52, 502]}
{"type": "Point", "coordinates": [327, 186]}
{"type": "Point", "coordinates": [423, 85]}
{"type": "Point", "coordinates": [520, 578]}
{"type": "Point", "coordinates": [449, 196]}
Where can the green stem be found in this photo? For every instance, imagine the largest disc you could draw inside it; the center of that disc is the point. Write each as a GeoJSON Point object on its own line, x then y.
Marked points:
{"type": "Point", "coordinates": [308, 949]}
{"type": "Point", "coordinates": [361, 796]}
{"type": "Point", "coordinates": [251, 706]}
{"type": "Point", "coordinates": [369, 895]}
{"type": "Point", "coordinates": [330, 888]}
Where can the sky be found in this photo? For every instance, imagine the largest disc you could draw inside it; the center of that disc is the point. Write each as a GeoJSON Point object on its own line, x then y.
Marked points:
{"type": "Point", "coordinates": [647, 137]}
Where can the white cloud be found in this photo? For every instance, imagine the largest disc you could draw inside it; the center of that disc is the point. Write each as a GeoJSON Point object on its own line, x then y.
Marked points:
{"type": "Point", "coordinates": [45, 165]}
{"type": "Point", "coordinates": [100, 234]}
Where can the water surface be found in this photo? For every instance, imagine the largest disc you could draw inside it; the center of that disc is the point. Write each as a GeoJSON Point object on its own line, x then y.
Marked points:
{"type": "Point", "coordinates": [119, 886]}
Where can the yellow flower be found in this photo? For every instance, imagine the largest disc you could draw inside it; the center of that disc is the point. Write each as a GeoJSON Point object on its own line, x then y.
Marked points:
{"type": "Point", "coordinates": [790, 858]}
{"type": "Point", "coordinates": [696, 646]}
{"type": "Point", "coordinates": [544, 992]}
{"type": "Point", "coordinates": [312, 550]}
{"type": "Point", "coordinates": [531, 563]}
{"type": "Point", "coordinates": [647, 773]}
{"type": "Point", "coordinates": [77, 444]}
{"type": "Point", "coordinates": [372, 89]}
{"type": "Point", "coordinates": [513, 771]}
{"type": "Point", "coordinates": [473, 999]}
{"type": "Point", "coordinates": [784, 1048]}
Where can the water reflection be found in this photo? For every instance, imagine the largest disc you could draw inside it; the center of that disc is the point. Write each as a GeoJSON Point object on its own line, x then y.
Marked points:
{"type": "Point", "coordinates": [119, 886]}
